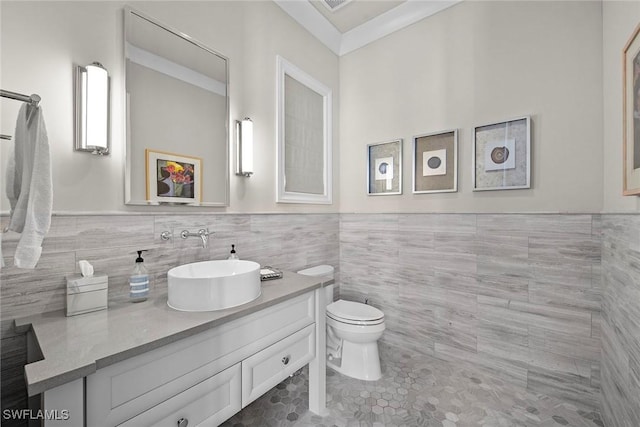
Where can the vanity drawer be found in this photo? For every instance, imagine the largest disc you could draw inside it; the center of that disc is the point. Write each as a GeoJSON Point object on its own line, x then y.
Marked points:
{"type": "Point", "coordinates": [265, 369]}
{"type": "Point", "coordinates": [208, 403]}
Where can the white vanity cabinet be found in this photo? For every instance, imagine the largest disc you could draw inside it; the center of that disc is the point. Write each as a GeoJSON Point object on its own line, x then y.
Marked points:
{"type": "Point", "coordinates": [206, 378]}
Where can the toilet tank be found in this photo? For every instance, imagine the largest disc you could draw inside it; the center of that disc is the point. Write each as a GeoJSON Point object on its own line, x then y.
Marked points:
{"type": "Point", "coordinates": [324, 271]}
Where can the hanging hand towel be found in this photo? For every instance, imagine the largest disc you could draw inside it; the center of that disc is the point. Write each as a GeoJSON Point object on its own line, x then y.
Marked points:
{"type": "Point", "coordinates": [29, 187]}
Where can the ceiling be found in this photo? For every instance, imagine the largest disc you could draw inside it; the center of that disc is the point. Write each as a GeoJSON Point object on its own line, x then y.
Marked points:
{"type": "Point", "coordinates": [356, 23]}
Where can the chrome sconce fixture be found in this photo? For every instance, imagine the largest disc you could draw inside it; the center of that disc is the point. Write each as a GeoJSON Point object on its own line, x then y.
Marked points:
{"type": "Point", "coordinates": [92, 109]}
{"type": "Point", "coordinates": [244, 147]}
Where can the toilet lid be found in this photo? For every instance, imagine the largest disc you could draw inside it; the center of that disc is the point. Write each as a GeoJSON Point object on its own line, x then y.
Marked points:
{"type": "Point", "coordinates": [354, 311]}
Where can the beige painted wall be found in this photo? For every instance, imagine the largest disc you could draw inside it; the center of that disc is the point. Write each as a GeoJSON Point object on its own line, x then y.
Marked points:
{"type": "Point", "coordinates": [619, 20]}
{"type": "Point", "coordinates": [472, 64]}
{"type": "Point", "coordinates": [41, 41]}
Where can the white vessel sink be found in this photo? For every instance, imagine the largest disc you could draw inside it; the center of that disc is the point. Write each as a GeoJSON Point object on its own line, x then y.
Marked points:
{"type": "Point", "coordinates": [213, 285]}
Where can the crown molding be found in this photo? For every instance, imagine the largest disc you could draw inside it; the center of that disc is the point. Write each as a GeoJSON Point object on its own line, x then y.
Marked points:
{"type": "Point", "coordinates": [313, 21]}
{"type": "Point", "coordinates": [389, 22]}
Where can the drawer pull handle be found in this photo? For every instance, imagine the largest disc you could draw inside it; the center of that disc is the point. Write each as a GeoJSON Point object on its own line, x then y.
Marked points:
{"type": "Point", "coordinates": [183, 422]}
{"type": "Point", "coordinates": [285, 360]}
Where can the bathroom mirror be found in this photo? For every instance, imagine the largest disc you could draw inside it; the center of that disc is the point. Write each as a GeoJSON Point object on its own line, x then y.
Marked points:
{"type": "Point", "coordinates": [304, 137]}
{"type": "Point", "coordinates": [177, 113]}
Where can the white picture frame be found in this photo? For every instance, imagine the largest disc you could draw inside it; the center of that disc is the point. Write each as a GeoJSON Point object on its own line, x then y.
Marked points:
{"type": "Point", "coordinates": [441, 176]}
{"type": "Point", "coordinates": [384, 168]}
{"type": "Point", "coordinates": [507, 145]}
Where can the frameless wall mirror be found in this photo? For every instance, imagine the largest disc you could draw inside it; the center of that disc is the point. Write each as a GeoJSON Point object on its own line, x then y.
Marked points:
{"type": "Point", "coordinates": [304, 137]}
{"type": "Point", "coordinates": [177, 109]}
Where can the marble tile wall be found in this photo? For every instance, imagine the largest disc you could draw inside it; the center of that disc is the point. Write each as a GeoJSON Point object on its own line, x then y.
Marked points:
{"type": "Point", "coordinates": [517, 295]}
{"type": "Point", "coordinates": [621, 320]}
{"type": "Point", "coordinates": [525, 298]}
{"type": "Point", "coordinates": [288, 241]}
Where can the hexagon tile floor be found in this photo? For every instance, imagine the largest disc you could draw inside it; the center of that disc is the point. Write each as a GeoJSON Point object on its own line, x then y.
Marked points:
{"type": "Point", "coordinates": [414, 391]}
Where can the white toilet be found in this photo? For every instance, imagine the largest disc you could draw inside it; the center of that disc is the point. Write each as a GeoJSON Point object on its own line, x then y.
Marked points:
{"type": "Point", "coordinates": [353, 330]}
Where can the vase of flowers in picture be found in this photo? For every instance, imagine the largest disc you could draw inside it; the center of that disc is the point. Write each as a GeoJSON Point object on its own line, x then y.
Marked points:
{"type": "Point", "coordinates": [180, 177]}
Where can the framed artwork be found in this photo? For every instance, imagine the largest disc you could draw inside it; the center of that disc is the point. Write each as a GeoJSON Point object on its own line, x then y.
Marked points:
{"type": "Point", "coordinates": [502, 155]}
{"type": "Point", "coordinates": [384, 168]}
{"type": "Point", "coordinates": [173, 178]}
{"type": "Point", "coordinates": [631, 115]}
{"type": "Point", "coordinates": [435, 162]}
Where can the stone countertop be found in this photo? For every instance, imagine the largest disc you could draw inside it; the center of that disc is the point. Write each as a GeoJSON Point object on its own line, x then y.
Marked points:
{"type": "Point", "coordinates": [77, 346]}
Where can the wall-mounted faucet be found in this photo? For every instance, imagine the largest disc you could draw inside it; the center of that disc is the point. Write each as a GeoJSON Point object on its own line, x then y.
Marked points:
{"type": "Point", "coordinates": [202, 233]}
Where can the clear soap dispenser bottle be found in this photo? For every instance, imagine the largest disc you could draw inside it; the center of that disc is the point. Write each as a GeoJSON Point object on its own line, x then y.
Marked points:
{"type": "Point", "coordinates": [233, 254]}
{"type": "Point", "coordinates": [139, 281]}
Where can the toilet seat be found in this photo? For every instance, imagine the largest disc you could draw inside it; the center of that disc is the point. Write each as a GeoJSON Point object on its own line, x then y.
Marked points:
{"type": "Point", "coordinates": [354, 313]}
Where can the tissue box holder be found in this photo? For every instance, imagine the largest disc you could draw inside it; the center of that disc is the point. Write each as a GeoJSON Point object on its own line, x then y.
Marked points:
{"type": "Point", "coordinates": [86, 294]}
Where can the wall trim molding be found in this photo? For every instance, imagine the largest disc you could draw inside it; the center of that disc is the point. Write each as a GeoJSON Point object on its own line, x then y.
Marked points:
{"type": "Point", "coordinates": [389, 22]}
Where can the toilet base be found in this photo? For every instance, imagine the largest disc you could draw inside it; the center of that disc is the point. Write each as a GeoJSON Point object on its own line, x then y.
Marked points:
{"type": "Point", "coordinates": [359, 361]}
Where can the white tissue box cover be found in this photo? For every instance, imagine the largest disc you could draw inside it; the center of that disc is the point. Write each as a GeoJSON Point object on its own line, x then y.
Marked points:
{"type": "Point", "coordinates": [86, 294]}
{"type": "Point", "coordinates": [76, 284]}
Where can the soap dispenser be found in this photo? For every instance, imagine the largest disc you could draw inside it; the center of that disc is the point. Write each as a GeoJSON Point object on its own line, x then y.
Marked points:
{"type": "Point", "coordinates": [139, 281]}
{"type": "Point", "coordinates": [232, 254]}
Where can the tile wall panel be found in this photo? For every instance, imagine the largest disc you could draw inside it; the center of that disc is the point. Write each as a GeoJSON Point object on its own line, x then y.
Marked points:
{"type": "Point", "coordinates": [619, 327]}
{"type": "Point", "coordinates": [516, 294]}
{"type": "Point", "coordinates": [548, 302]}
{"type": "Point", "coordinates": [110, 242]}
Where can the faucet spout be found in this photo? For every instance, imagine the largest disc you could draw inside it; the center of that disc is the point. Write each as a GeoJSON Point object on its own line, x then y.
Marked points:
{"type": "Point", "coordinates": [203, 234]}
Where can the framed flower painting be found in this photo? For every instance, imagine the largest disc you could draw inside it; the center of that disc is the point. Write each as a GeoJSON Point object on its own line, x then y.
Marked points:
{"type": "Point", "coordinates": [173, 178]}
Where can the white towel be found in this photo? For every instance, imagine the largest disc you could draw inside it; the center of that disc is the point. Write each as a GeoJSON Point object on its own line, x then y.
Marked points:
{"type": "Point", "coordinates": [29, 187]}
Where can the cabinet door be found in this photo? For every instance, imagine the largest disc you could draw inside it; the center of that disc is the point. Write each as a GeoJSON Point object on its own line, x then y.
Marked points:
{"type": "Point", "coordinates": [265, 369]}
{"type": "Point", "coordinates": [208, 403]}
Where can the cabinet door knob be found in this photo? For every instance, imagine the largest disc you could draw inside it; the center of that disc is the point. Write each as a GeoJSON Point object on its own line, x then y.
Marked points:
{"type": "Point", "coordinates": [285, 360]}
{"type": "Point", "coordinates": [183, 422]}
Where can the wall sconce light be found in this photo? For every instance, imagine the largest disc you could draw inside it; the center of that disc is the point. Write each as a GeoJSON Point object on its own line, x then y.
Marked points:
{"type": "Point", "coordinates": [92, 109]}
{"type": "Point", "coordinates": [244, 147]}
